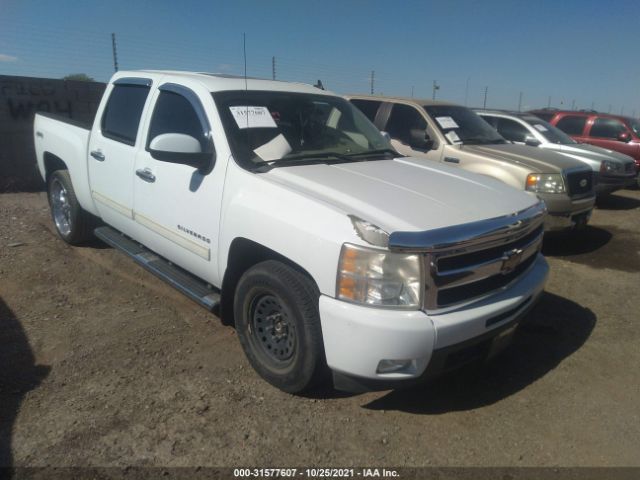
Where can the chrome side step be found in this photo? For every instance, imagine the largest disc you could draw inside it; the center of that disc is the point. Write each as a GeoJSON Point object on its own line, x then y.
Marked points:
{"type": "Point", "coordinates": [178, 278]}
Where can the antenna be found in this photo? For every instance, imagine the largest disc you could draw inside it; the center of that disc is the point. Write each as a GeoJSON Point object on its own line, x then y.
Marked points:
{"type": "Point", "coordinates": [246, 87]}
{"type": "Point", "coordinates": [244, 52]}
{"type": "Point", "coordinates": [115, 51]}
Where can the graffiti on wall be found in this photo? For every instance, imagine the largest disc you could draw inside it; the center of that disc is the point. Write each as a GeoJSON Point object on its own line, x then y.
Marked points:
{"type": "Point", "coordinates": [22, 97]}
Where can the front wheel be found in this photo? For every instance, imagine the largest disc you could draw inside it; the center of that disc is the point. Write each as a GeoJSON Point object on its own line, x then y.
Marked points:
{"type": "Point", "coordinates": [278, 324]}
{"type": "Point", "coordinates": [72, 223]}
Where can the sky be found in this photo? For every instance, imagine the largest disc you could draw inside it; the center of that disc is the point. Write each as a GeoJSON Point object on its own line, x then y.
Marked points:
{"type": "Point", "coordinates": [572, 53]}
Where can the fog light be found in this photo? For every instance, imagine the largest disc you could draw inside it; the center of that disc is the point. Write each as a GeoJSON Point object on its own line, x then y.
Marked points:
{"type": "Point", "coordinates": [396, 366]}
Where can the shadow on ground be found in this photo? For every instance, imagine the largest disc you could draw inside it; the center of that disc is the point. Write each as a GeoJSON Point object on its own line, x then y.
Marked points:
{"type": "Point", "coordinates": [617, 202]}
{"type": "Point", "coordinates": [18, 375]}
{"type": "Point", "coordinates": [613, 248]}
{"type": "Point", "coordinates": [551, 332]}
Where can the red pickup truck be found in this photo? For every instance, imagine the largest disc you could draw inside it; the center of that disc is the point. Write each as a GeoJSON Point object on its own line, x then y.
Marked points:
{"type": "Point", "coordinates": [613, 132]}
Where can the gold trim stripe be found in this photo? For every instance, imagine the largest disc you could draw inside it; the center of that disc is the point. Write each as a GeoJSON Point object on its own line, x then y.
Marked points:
{"type": "Point", "coordinates": [161, 230]}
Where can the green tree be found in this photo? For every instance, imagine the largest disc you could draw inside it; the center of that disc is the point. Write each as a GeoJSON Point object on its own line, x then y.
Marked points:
{"type": "Point", "coordinates": [83, 77]}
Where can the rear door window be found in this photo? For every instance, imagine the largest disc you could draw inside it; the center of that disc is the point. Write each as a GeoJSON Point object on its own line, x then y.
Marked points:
{"type": "Point", "coordinates": [402, 120]}
{"type": "Point", "coordinates": [607, 128]}
{"type": "Point", "coordinates": [512, 130]}
{"type": "Point", "coordinates": [122, 113]}
{"type": "Point", "coordinates": [368, 107]}
{"type": "Point", "coordinates": [572, 124]}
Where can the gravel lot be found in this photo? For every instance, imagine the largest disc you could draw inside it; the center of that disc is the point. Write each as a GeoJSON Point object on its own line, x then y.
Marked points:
{"type": "Point", "coordinates": [102, 364]}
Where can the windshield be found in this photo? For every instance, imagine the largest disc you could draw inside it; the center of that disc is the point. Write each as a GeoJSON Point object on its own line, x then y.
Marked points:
{"type": "Point", "coordinates": [462, 125]}
{"type": "Point", "coordinates": [548, 131]}
{"type": "Point", "coordinates": [269, 127]}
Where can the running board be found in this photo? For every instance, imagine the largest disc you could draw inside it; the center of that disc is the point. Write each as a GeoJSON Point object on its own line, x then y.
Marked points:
{"type": "Point", "coordinates": [191, 286]}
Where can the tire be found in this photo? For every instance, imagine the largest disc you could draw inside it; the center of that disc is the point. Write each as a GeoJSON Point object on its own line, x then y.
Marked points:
{"type": "Point", "coordinates": [278, 324]}
{"type": "Point", "coordinates": [73, 224]}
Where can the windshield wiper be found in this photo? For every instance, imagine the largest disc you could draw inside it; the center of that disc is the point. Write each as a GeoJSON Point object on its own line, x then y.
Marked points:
{"type": "Point", "coordinates": [483, 141]}
{"type": "Point", "coordinates": [306, 159]}
{"type": "Point", "coordinates": [378, 151]}
{"type": "Point", "coordinates": [322, 157]}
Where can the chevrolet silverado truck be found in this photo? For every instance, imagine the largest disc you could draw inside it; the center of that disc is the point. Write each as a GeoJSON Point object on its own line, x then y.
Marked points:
{"type": "Point", "coordinates": [612, 170]}
{"type": "Point", "coordinates": [447, 133]}
{"type": "Point", "coordinates": [281, 208]}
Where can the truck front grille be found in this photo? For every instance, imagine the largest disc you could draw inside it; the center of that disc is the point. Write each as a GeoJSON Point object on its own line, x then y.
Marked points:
{"type": "Point", "coordinates": [580, 183]}
{"type": "Point", "coordinates": [466, 262]}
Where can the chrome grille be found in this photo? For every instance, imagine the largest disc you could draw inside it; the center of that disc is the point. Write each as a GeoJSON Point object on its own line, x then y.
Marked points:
{"type": "Point", "coordinates": [488, 257]}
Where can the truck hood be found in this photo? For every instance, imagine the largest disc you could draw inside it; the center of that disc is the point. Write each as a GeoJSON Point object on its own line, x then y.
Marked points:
{"type": "Point", "coordinates": [594, 152]}
{"type": "Point", "coordinates": [537, 160]}
{"type": "Point", "coordinates": [400, 195]}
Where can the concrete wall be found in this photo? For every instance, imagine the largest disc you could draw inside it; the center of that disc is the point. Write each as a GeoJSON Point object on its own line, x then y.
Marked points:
{"type": "Point", "coordinates": [20, 98]}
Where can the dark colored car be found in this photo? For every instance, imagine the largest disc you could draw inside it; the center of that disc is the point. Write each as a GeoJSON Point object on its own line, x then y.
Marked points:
{"type": "Point", "coordinates": [613, 132]}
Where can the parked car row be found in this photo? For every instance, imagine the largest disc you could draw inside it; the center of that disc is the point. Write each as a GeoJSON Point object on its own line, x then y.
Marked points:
{"type": "Point", "coordinates": [612, 132]}
{"type": "Point", "coordinates": [286, 210]}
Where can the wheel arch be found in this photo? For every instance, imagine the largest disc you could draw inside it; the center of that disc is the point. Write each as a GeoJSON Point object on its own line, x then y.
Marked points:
{"type": "Point", "coordinates": [244, 254]}
{"type": "Point", "coordinates": [51, 164]}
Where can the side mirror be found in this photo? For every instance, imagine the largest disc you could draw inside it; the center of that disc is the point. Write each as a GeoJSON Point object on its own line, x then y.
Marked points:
{"type": "Point", "coordinates": [386, 136]}
{"type": "Point", "coordinates": [419, 139]}
{"type": "Point", "coordinates": [531, 141]}
{"type": "Point", "coordinates": [624, 137]}
{"type": "Point", "coordinates": [182, 149]}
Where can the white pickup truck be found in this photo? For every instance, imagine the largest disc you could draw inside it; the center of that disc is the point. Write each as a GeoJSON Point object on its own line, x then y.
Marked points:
{"type": "Point", "coordinates": [282, 208]}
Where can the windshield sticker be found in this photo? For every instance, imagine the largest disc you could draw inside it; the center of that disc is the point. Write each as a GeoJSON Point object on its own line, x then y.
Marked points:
{"type": "Point", "coordinates": [453, 137]}
{"type": "Point", "coordinates": [540, 128]}
{"type": "Point", "coordinates": [252, 117]}
{"type": "Point", "coordinates": [447, 122]}
{"type": "Point", "coordinates": [274, 149]}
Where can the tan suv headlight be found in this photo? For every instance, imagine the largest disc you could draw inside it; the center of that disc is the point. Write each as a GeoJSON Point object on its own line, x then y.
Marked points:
{"type": "Point", "coordinates": [379, 278]}
{"type": "Point", "coordinates": [545, 183]}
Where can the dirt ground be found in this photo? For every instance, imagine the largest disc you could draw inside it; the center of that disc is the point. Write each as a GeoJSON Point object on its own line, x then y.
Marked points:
{"type": "Point", "coordinates": [102, 364]}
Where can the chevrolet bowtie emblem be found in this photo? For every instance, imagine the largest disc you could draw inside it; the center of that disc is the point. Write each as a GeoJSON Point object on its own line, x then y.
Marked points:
{"type": "Point", "coordinates": [510, 260]}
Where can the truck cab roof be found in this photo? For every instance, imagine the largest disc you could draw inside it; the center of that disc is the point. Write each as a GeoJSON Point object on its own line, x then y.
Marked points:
{"type": "Point", "coordinates": [217, 82]}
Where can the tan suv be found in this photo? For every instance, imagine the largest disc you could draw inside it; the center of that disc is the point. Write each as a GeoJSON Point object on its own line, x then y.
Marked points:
{"type": "Point", "coordinates": [453, 134]}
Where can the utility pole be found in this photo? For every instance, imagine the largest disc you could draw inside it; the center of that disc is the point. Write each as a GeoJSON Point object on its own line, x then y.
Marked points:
{"type": "Point", "coordinates": [549, 102]}
{"type": "Point", "coordinates": [411, 91]}
{"type": "Point", "coordinates": [622, 110]}
{"type": "Point", "coordinates": [273, 68]}
{"type": "Point", "coordinates": [435, 87]}
{"type": "Point", "coordinates": [633, 114]}
{"type": "Point", "coordinates": [486, 90]}
{"type": "Point", "coordinates": [609, 111]}
{"type": "Point", "coordinates": [593, 105]}
{"type": "Point", "coordinates": [573, 104]}
{"type": "Point", "coordinates": [373, 74]}
{"type": "Point", "coordinates": [466, 92]}
{"type": "Point", "coordinates": [520, 102]}
{"type": "Point", "coordinates": [115, 52]}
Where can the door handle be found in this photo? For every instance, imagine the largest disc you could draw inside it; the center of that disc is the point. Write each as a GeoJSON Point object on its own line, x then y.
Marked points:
{"type": "Point", "coordinates": [98, 155]}
{"type": "Point", "coordinates": [146, 175]}
{"type": "Point", "coordinates": [452, 159]}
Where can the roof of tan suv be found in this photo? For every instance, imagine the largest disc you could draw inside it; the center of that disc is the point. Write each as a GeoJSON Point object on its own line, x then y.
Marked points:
{"type": "Point", "coordinates": [419, 102]}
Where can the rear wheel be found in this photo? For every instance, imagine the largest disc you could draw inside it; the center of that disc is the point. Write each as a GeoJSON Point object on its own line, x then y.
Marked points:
{"type": "Point", "coordinates": [72, 223]}
{"type": "Point", "coordinates": [278, 324]}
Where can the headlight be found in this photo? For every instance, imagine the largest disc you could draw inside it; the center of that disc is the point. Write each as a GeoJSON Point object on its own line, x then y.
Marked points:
{"type": "Point", "coordinates": [545, 183]}
{"type": "Point", "coordinates": [379, 278]}
{"type": "Point", "coordinates": [607, 166]}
